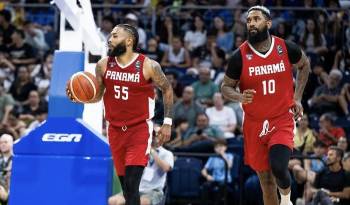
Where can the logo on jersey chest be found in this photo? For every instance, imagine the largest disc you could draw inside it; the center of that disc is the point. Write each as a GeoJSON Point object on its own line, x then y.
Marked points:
{"type": "Point", "coordinates": [138, 66]}
{"type": "Point", "coordinates": [267, 69]}
{"type": "Point", "coordinates": [279, 50]}
{"type": "Point", "coordinates": [122, 76]}
{"type": "Point", "coordinates": [112, 64]}
{"type": "Point", "coordinates": [249, 56]}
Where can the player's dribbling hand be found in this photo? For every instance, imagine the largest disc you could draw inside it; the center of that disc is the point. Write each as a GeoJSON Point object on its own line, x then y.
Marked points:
{"type": "Point", "coordinates": [69, 94]}
{"type": "Point", "coordinates": [297, 109]}
{"type": "Point", "coordinates": [163, 134]}
{"type": "Point", "coordinates": [247, 96]}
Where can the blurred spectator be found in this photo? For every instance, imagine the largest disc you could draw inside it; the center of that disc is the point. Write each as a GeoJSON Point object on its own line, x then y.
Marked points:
{"type": "Point", "coordinates": [107, 26]}
{"type": "Point", "coordinates": [346, 162]}
{"type": "Point", "coordinates": [200, 138]}
{"type": "Point", "coordinates": [153, 179]}
{"type": "Point", "coordinates": [222, 116]}
{"type": "Point", "coordinates": [15, 126]}
{"type": "Point", "coordinates": [214, 173]}
{"type": "Point", "coordinates": [42, 75]}
{"type": "Point", "coordinates": [313, 40]}
{"type": "Point", "coordinates": [187, 108]}
{"type": "Point", "coordinates": [311, 166]}
{"type": "Point", "coordinates": [342, 59]}
{"type": "Point", "coordinates": [177, 87]}
{"type": "Point", "coordinates": [204, 88]}
{"type": "Point", "coordinates": [344, 100]}
{"type": "Point", "coordinates": [343, 144]}
{"type": "Point", "coordinates": [197, 36]}
{"type": "Point", "coordinates": [6, 105]}
{"type": "Point", "coordinates": [22, 86]}
{"type": "Point", "coordinates": [6, 66]}
{"type": "Point", "coordinates": [153, 51]}
{"type": "Point", "coordinates": [133, 20]}
{"type": "Point", "coordinates": [20, 52]}
{"type": "Point", "coordinates": [35, 37]}
{"type": "Point", "coordinates": [239, 26]}
{"type": "Point", "coordinates": [224, 38]}
{"type": "Point", "coordinates": [181, 127]}
{"type": "Point", "coordinates": [6, 148]}
{"type": "Point", "coordinates": [3, 47]}
{"type": "Point", "coordinates": [304, 138]}
{"type": "Point", "coordinates": [177, 56]}
{"type": "Point", "coordinates": [326, 96]}
{"type": "Point", "coordinates": [40, 115]}
{"type": "Point", "coordinates": [282, 31]}
{"type": "Point", "coordinates": [34, 104]}
{"type": "Point", "coordinates": [166, 29]}
{"type": "Point", "coordinates": [238, 42]}
{"type": "Point", "coordinates": [6, 27]}
{"type": "Point", "coordinates": [333, 182]}
{"type": "Point", "coordinates": [209, 55]}
{"type": "Point", "coordinates": [329, 133]}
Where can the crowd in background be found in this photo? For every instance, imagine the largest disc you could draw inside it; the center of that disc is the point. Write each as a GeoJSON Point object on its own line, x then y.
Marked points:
{"type": "Point", "coordinates": [193, 47]}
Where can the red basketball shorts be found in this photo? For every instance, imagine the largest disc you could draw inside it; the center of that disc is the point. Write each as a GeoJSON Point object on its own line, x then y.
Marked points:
{"type": "Point", "coordinates": [260, 135]}
{"type": "Point", "coordinates": [130, 145]}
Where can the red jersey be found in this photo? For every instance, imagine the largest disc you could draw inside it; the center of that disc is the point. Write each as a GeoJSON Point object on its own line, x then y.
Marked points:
{"type": "Point", "coordinates": [129, 97]}
{"type": "Point", "coordinates": [270, 75]}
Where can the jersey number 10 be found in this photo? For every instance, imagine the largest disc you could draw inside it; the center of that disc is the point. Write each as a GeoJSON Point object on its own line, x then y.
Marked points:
{"type": "Point", "coordinates": [269, 87]}
{"type": "Point", "coordinates": [121, 92]}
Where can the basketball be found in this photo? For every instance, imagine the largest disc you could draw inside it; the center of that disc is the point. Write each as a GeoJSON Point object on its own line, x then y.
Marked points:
{"type": "Point", "coordinates": [83, 86]}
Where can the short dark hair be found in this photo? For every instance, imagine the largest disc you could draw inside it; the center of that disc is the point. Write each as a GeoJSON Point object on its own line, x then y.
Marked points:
{"type": "Point", "coordinates": [319, 143]}
{"type": "Point", "coordinates": [133, 32]}
{"type": "Point", "coordinates": [6, 14]}
{"type": "Point", "coordinates": [108, 18]}
{"type": "Point", "coordinates": [329, 117]}
{"type": "Point", "coordinates": [220, 142]}
{"type": "Point", "coordinates": [265, 11]}
{"type": "Point", "coordinates": [20, 32]}
{"type": "Point", "coordinates": [338, 151]}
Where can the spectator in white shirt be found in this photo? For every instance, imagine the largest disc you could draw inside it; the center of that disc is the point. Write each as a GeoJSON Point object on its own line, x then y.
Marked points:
{"type": "Point", "coordinates": [222, 116]}
{"type": "Point", "coordinates": [197, 36]}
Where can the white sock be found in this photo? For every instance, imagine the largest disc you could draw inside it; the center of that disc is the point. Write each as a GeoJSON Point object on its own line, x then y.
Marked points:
{"type": "Point", "coordinates": [285, 199]}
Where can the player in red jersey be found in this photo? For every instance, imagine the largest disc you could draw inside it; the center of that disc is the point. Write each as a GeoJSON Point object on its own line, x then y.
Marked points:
{"type": "Point", "coordinates": [262, 68]}
{"type": "Point", "coordinates": [127, 81]}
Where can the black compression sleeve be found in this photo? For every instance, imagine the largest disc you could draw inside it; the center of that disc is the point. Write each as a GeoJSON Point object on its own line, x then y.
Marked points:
{"type": "Point", "coordinates": [294, 52]}
{"type": "Point", "coordinates": [234, 67]}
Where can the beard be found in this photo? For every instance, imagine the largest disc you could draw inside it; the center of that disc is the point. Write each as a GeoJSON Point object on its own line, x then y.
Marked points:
{"type": "Point", "coordinates": [259, 36]}
{"type": "Point", "coordinates": [118, 50]}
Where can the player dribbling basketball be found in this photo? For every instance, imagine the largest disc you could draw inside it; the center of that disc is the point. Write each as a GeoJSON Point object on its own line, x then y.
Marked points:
{"type": "Point", "coordinates": [126, 80]}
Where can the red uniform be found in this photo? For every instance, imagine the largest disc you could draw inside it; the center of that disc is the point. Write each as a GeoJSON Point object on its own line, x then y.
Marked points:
{"type": "Point", "coordinates": [268, 119]}
{"type": "Point", "coordinates": [129, 108]}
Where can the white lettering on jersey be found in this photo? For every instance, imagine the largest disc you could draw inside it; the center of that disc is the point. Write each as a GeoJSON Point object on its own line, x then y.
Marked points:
{"type": "Point", "coordinates": [267, 69]}
{"type": "Point", "coordinates": [121, 76]}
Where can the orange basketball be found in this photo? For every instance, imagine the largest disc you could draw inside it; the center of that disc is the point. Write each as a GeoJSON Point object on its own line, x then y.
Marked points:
{"type": "Point", "coordinates": [83, 86]}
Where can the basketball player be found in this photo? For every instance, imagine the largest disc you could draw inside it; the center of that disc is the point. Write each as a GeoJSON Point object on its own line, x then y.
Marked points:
{"type": "Point", "coordinates": [262, 68]}
{"type": "Point", "coordinates": [127, 81]}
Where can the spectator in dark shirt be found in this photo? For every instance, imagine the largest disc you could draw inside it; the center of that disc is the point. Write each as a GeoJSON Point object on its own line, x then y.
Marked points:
{"type": "Point", "coordinates": [22, 86]}
{"type": "Point", "coordinates": [20, 52]}
{"type": "Point", "coordinates": [152, 51]}
{"type": "Point", "coordinates": [5, 26]}
{"type": "Point", "coordinates": [333, 182]}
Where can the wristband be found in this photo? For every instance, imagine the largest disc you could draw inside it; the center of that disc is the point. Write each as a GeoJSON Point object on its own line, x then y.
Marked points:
{"type": "Point", "coordinates": [168, 121]}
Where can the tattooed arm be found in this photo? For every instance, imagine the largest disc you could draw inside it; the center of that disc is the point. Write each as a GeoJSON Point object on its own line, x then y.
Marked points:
{"type": "Point", "coordinates": [303, 71]}
{"type": "Point", "coordinates": [99, 73]}
{"type": "Point", "coordinates": [229, 91]}
{"type": "Point", "coordinates": [153, 71]}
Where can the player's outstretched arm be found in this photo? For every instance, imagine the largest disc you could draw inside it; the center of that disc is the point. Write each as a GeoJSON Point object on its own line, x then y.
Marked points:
{"type": "Point", "coordinates": [99, 72]}
{"type": "Point", "coordinates": [230, 92]}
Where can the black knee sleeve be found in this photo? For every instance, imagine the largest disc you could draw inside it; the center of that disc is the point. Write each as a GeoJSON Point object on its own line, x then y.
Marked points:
{"type": "Point", "coordinates": [132, 180]}
{"type": "Point", "coordinates": [279, 156]}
